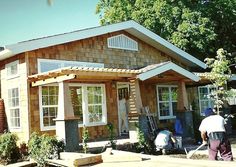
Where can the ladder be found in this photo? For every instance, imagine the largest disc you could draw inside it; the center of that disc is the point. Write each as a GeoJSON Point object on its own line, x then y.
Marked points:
{"type": "Point", "coordinates": [152, 122]}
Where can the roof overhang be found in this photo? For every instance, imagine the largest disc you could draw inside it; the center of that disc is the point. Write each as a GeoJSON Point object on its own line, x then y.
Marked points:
{"type": "Point", "coordinates": [159, 69]}
{"type": "Point", "coordinates": [130, 26]}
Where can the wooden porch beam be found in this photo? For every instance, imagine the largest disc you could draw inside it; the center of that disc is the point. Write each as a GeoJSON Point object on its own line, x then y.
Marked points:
{"type": "Point", "coordinates": [53, 80]}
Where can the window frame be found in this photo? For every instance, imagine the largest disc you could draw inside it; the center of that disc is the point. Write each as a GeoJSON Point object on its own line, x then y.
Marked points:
{"type": "Point", "coordinates": [170, 102]}
{"type": "Point", "coordinates": [84, 104]}
{"type": "Point", "coordinates": [63, 64]}
{"type": "Point", "coordinates": [8, 66]}
{"type": "Point", "coordinates": [209, 100]}
{"type": "Point", "coordinates": [14, 128]}
{"type": "Point", "coordinates": [42, 127]}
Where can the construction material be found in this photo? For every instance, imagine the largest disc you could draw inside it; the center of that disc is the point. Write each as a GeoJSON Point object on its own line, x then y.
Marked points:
{"type": "Point", "coordinates": [191, 153]}
{"type": "Point", "coordinates": [151, 120]}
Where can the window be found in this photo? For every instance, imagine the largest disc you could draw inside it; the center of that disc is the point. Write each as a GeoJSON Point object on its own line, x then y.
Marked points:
{"type": "Point", "coordinates": [94, 104]}
{"type": "Point", "coordinates": [12, 69]}
{"type": "Point", "coordinates": [76, 96]}
{"type": "Point", "coordinates": [122, 42]}
{"type": "Point", "coordinates": [49, 103]}
{"type": "Point", "coordinates": [88, 101]}
{"type": "Point", "coordinates": [45, 65]}
{"type": "Point", "coordinates": [167, 101]}
{"type": "Point", "coordinates": [14, 110]}
{"type": "Point", "coordinates": [204, 100]}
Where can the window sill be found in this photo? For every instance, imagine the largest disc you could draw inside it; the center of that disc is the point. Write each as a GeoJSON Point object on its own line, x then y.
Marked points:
{"type": "Point", "coordinates": [48, 128]}
{"type": "Point", "coordinates": [167, 117]}
{"type": "Point", "coordinates": [15, 129]}
{"type": "Point", "coordinates": [94, 124]}
{"type": "Point", "coordinates": [12, 77]}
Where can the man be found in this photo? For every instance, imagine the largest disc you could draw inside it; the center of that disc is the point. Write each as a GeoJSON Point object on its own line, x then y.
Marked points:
{"type": "Point", "coordinates": [164, 141]}
{"type": "Point", "coordinates": [212, 129]}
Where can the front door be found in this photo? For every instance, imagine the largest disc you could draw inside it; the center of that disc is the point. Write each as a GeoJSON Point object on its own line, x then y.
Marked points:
{"type": "Point", "coordinates": [123, 107]}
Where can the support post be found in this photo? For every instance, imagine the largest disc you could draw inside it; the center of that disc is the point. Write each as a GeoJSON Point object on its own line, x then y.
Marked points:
{"type": "Point", "coordinates": [182, 97]}
{"type": "Point", "coordinates": [66, 123]}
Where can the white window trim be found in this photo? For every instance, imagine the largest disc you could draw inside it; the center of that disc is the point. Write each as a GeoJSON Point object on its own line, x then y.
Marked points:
{"type": "Point", "coordinates": [9, 65]}
{"type": "Point", "coordinates": [208, 99]}
{"type": "Point", "coordinates": [171, 116]}
{"type": "Point", "coordinates": [14, 129]}
{"type": "Point", "coordinates": [85, 102]}
{"type": "Point", "coordinates": [42, 127]}
{"type": "Point", "coordinates": [85, 109]}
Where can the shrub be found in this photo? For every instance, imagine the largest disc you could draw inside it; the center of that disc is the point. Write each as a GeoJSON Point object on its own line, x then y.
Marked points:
{"type": "Point", "coordinates": [85, 138]}
{"type": "Point", "coordinates": [9, 152]}
{"type": "Point", "coordinates": [144, 145]}
{"type": "Point", "coordinates": [23, 150]}
{"type": "Point", "coordinates": [110, 128]}
{"type": "Point", "coordinates": [44, 147]}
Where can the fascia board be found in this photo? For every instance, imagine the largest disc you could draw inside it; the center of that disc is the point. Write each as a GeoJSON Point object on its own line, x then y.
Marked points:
{"type": "Point", "coordinates": [166, 67]}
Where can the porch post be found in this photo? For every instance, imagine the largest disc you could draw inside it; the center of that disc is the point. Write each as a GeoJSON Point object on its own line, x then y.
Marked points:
{"type": "Point", "coordinates": [135, 96]}
{"type": "Point", "coordinates": [66, 123]}
{"type": "Point", "coordinates": [182, 104]}
{"type": "Point", "coordinates": [136, 105]}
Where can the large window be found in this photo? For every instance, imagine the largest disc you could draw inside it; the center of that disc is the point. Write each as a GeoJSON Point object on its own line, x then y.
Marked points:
{"type": "Point", "coordinates": [12, 69]}
{"type": "Point", "coordinates": [45, 65]}
{"type": "Point", "coordinates": [49, 105]}
{"type": "Point", "coordinates": [94, 104]}
{"type": "Point", "coordinates": [14, 110]}
{"type": "Point", "coordinates": [167, 101]}
{"type": "Point", "coordinates": [88, 102]}
{"type": "Point", "coordinates": [204, 99]}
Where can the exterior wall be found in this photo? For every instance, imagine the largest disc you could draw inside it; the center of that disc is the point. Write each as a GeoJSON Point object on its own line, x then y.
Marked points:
{"type": "Point", "coordinates": [21, 82]}
{"type": "Point", "coordinates": [88, 50]}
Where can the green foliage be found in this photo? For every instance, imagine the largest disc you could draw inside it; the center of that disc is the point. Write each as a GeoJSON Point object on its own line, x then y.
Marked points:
{"type": "Point", "coordinates": [110, 128]}
{"type": "Point", "coordinates": [144, 145]}
{"type": "Point", "coordinates": [198, 27]}
{"type": "Point", "coordinates": [85, 138]}
{"type": "Point", "coordinates": [44, 147]}
{"type": "Point", "coordinates": [9, 152]}
{"type": "Point", "coordinates": [23, 149]}
{"type": "Point", "coordinates": [219, 75]}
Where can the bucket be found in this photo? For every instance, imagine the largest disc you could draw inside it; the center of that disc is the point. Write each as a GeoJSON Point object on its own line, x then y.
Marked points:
{"type": "Point", "coordinates": [178, 141]}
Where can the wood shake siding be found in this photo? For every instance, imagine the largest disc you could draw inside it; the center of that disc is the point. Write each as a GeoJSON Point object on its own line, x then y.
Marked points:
{"type": "Point", "coordinates": [87, 50]}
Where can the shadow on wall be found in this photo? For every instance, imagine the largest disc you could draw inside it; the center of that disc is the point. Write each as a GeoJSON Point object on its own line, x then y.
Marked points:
{"type": "Point", "coordinates": [3, 120]}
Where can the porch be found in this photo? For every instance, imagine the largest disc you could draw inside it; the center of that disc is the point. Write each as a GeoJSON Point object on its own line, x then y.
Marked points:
{"type": "Point", "coordinates": [142, 85]}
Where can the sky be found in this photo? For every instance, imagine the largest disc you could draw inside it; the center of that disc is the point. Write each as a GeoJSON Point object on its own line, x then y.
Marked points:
{"type": "Point", "coordinates": [22, 20]}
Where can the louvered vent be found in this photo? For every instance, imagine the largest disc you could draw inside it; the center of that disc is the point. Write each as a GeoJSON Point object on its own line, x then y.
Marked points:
{"type": "Point", "coordinates": [122, 42]}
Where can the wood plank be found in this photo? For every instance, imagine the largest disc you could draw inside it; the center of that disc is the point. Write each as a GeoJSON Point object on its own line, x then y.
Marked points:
{"type": "Point", "coordinates": [53, 80]}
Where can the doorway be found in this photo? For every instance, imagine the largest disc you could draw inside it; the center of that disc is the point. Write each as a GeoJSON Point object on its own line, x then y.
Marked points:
{"type": "Point", "coordinates": [123, 107]}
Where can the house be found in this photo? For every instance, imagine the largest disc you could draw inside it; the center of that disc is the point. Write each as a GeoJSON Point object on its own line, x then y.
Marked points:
{"type": "Point", "coordinates": [60, 83]}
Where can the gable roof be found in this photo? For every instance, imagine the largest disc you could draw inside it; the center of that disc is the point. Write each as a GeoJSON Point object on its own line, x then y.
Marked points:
{"type": "Point", "coordinates": [131, 27]}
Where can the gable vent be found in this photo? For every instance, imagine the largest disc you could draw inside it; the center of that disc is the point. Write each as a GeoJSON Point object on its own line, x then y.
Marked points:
{"type": "Point", "coordinates": [122, 42]}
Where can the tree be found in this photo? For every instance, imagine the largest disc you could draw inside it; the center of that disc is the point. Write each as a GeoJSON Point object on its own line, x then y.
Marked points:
{"type": "Point", "coordinates": [219, 75]}
{"type": "Point", "coordinates": [196, 26]}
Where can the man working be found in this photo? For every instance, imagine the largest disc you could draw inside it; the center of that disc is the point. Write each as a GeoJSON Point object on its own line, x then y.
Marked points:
{"type": "Point", "coordinates": [164, 141]}
{"type": "Point", "coordinates": [212, 129]}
